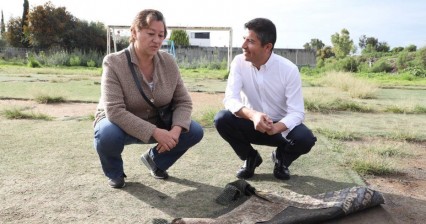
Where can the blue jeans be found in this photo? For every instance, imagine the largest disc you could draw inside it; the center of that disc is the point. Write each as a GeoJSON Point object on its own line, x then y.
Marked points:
{"type": "Point", "coordinates": [109, 142]}
{"type": "Point", "coordinates": [240, 134]}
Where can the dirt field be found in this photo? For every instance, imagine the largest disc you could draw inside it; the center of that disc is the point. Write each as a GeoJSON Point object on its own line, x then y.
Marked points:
{"type": "Point", "coordinates": [405, 194]}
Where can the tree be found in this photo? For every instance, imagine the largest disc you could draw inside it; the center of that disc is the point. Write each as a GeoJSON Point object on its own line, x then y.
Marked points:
{"type": "Point", "coordinates": [342, 43]}
{"type": "Point", "coordinates": [382, 47]}
{"type": "Point", "coordinates": [87, 36]}
{"type": "Point", "coordinates": [2, 32]}
{"type": "Point", "coordinates": [14, 34]}
{"type": "Point", "coordinates": [180, 37]}
{"type": "Point", "coordinates": [361, 43]}
{"type": "Point", "coordinates": [397, 49]}
{"type": "Point", "coordinates": [307, 46]}
{"type": "Point", "coordinates": [2, 28]}
{"type": "Point", "coordinates": [49, 26]}
{"type": "Point", "coordinates": [372, 41]}
{"type": "Point", "coordinates": [315, 44]}
{"type": "Point", "coordinates": [24, 25]}
{"type": "Point", "coordinates": [411, 48]}
{"type": "Point", "coordinates": [326, 52]}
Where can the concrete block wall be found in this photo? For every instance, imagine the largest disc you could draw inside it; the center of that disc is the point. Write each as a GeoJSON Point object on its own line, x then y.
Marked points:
{"type": "Point", "coordinates": [300, 57]}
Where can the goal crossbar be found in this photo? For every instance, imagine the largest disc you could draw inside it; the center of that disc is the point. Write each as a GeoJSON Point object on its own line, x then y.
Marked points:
{"type": "Point", "coordinates": [111, 30]}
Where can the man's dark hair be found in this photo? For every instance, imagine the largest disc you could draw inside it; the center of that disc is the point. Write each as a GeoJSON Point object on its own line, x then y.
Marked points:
{"type": "Point", "coordinates": [265, 30]}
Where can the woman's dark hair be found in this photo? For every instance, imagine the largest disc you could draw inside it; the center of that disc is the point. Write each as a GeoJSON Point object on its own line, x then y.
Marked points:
{"type": "Point", "coordinates": [144, 18]}
{"type": "Point", "coordinates": [264, 29]}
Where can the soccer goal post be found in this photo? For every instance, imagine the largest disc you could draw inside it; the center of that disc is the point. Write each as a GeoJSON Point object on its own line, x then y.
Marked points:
{"type": "Point", "coordinates": [115, 31]}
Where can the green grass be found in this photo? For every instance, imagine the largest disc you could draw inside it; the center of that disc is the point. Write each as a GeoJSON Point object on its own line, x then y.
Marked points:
{"type": "Point", "coordinates": [46, 99]}
{"type": "Point", "coordinates": [207, 117]}
{"type": "Point", "coordinates": [20, 114]}
{"type": "Point", "coordinates": [337, 104]}
{"type": "Point", "coordinates": [392, 80]}
{"type": "Point", "coordinates": [355, 137]}
{"type": "Point", "coordinates": [337, 134]}
{"type": "Point", "coordinates": [203, 73]}
{"type": "Point", "coordinates": [369, 167]}
{"type": "Point", "coordinates": [18, 69]}
{"type": "Point", "coordinates": [81, 90]}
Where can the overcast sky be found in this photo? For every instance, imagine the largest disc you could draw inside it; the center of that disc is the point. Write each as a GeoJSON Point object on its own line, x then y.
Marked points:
{"type": "Point", "coordinates": [399, 23]}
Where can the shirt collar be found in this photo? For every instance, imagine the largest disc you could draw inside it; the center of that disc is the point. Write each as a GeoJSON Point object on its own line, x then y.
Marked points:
{"type": "Point", "coordinates": [270, 61]}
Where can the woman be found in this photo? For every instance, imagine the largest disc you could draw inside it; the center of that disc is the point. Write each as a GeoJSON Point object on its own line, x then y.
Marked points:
{"type": "Point", "coordinates": [124, 117]}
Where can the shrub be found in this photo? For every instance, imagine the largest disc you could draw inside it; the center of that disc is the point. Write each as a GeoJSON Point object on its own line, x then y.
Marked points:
{"type": "Point", "coordinates": [416, 71]}
{"type": "Point", "coordinates": [91, 63]}
{"type": "Point", "coordinates": [75, 61]}
{"type": "Point", "coordinates": [320, 63]}
{"type": "Point", "coordinates": [403, 60]}
{"type": "Point", "coordinates": [421, 57]}
{"type": "Point", "coordinates": [33, 63]}
{"type": "Point", "coordinates": [58, 58]}
{"type": "Point", "coordinates": [397, 49]}
{"type": "Point", "coordinates": [381, 66]}
{"type": "Point", "coordinates": [348, 64]}
{"type": "Point", "coordinates": [411, 48]}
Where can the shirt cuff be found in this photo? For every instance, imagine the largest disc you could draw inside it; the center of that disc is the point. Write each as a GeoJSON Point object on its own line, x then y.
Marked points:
{"type": "Point", "coordinates": [235, 107]}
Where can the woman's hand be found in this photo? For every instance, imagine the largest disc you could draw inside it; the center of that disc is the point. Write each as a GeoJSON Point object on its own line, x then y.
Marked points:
{"type": "Point", "coordinates": [167, 140]}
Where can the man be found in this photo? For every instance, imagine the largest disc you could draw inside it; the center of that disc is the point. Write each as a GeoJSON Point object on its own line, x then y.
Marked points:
{"type": "Point", "coordinates": [264, 104]}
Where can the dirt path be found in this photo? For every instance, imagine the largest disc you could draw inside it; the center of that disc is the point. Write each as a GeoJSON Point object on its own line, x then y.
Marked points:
{"type": "Point", "coordinates": [405, 193]}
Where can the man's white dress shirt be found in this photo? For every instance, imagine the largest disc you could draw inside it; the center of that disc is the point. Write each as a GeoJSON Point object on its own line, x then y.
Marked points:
{"type": "Point", "coordinates": [275, 89]}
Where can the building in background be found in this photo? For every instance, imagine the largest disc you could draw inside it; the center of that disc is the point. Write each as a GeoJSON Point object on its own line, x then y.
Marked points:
{"type": "Point", "coordinates": [201, 39]}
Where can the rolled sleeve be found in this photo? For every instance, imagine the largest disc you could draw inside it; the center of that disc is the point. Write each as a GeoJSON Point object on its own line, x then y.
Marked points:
{"type": "Point", "coordinates": [232, 100]}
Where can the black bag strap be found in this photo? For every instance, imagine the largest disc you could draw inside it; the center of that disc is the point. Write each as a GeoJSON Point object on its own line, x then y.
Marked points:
{"type": "Point", "coordinates": [135, 77]}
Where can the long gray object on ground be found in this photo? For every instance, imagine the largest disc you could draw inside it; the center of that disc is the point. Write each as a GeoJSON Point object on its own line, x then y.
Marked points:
{"type": "Point", "coordinates": [274, 208]}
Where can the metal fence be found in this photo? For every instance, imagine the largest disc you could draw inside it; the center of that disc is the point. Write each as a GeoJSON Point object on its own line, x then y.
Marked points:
{"type": "Point", "coordinates": [13, 52]}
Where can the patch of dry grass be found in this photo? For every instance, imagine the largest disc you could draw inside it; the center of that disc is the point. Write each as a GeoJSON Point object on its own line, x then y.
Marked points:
{"type": "Point", "coordinates": [346, 82]}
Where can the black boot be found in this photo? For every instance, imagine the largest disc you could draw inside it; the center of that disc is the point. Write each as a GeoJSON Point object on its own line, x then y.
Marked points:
{"type": "Point", "coordinates": [250, 164]}
{"type": "Point", "coordinates": [280, 170]}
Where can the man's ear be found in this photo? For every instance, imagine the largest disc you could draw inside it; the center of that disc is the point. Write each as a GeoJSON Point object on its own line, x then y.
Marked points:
{"type": "Point", "coordinates": [268, 46]}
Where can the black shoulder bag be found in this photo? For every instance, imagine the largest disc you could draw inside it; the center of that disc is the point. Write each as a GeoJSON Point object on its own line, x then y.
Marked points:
{"type": "Point", "coordinates": [165, 113]}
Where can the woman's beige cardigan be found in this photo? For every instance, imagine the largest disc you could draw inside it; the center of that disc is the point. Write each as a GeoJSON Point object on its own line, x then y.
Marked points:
{"type": "Point", "coordinates": [122, 103]}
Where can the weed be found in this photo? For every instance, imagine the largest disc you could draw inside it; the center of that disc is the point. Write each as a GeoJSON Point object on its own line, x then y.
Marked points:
{"type": "Point", "coordinates": [346, 82]}
{"type": "Point", "coordinates": [372, 167]}
{"type": "Point", "coordinates": [49, 99]}
{"type": "Point", "coordinates": [395, 109]}
{"type": "Point", "coordinates": [405, 136]}
{"type": "Point", "coordinates": [19, 114]}
{"type": "Point", "coordinates": [335, 105]}
{"type": "Point", "coordinates": [419, 109]}
{"type": "Point", "coordinates": [207, 117]}
{"type": "Point", "coordinates": [338, 135]}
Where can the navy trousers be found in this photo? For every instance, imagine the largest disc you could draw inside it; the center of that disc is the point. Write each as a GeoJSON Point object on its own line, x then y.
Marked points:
{"type": "Point", "coordinates": [240, 134]}
{"type": "Point", "coordinates": [109, 142]}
